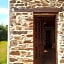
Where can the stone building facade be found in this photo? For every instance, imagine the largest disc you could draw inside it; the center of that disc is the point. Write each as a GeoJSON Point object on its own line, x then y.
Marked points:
{"type": "Point", "coordinates": [21, 29]}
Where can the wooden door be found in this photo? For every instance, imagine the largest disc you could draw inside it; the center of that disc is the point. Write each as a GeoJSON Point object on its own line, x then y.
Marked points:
{"type": "Point", "coordinates": [38, 38]}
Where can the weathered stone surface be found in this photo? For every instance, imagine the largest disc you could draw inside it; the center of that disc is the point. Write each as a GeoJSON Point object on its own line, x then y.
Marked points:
{"type": "Point", "coordinates": [29, 60]}
{"type": "Point", "coordinates": [18, 23]}
{"type": "Point", "coordinates": [18, 63]}
{"type": "Point", "coordinates": [25, 13]}
{"type": "Point", "coordinates": [22, 47]}
{"type": "Point", "coordinates": [14, 53]}
{"type": "Point", "coordinates": [38, 4]}
{"type": "Point", "coordinates": [45, 3]}
{"type": "Point", "coordinates": [59, 4]}
{"type": "Point", "coordinates": [13, 1]}
{"type": "Point", "coordinates": [19, 4]}
{"type": "Point", "coordinates": [61, 51]}
{"type": "Point", "coordinates": [18, 28]}
{"type": "Point", "coordinates": [27, 41]}
{"type": "Point", "coordinates": [29, 19]}
{"type": "Point", "coordinates": [31, 24]}
{"type": "Point", "coordinates": [29, 28]}
{"type": "Point", "coordinates": [62, 61]}
{"type": "Point", "coordinates": [17, 37]}
{"type": "Point", "coordinates": [13, 17]}
{"type": "Point", "coordinates": [22, 24]}
{"type": "Point", "coordinates": [60, 0]}
{"type": "Point", "coordinates": [35, 4]}
{"type": "Point", "coordinates": [63, 4]}
{"type": "Point", "coordinates": [18, 13]}
{"type": "Point", "coordinates": [19, 32]}
{"type": "Point", "coordinates": [13, 59]}
{"type": "Point", "coordinates": [29, 35]}
{"type": "Point", "coordinates": [59, 32]}
{"type": "Point", "coordinates": [13, 43]}
{"type": "Point", "coordinates": [26, 49]}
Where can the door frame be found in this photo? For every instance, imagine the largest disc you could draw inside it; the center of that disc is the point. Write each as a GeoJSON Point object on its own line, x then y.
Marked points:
{"type": "Point", "coordinates": [46, 13]}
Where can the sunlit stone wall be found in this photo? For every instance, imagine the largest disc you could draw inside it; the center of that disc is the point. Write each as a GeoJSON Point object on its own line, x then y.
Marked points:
{"type": "Point", "coordinates": [21, 30]}
{"type": "Point", "coordinates": [35, 3]}
{"type": "Point", "coordinates": [60, 37]}
{"type": "Point", "coordinates": [21, 38]}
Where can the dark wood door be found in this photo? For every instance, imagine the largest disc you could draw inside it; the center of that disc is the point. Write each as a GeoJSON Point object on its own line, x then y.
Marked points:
{"type": "Point", "coordinates": [48, 38]}
{"type": "Point", "coordinates": [38, 38]}
{"type": "Point", "coordinates": [43, 37]}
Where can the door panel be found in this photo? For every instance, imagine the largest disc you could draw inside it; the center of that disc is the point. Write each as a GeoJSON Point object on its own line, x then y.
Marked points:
{"type": "Point", "coordinates": [38, 31]}
{"type": "Point", "coordinates": [40, 23]}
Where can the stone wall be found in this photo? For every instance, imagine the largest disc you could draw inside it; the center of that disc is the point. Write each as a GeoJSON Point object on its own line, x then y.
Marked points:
{"type": "Point", "coordinates": [60, 37]}
{"type": "Point", "coordinates": [35, 3]}
{"type": "Point", "coordinates": [21, 30]}
{"type": "Point", "coordinates": [21, 38]}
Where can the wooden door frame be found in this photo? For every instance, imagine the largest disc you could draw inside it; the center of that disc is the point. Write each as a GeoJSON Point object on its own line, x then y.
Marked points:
{"type": "Point", "coordinates": [46, 13]}
{"type": "Point", "coordinates": [44, 9]}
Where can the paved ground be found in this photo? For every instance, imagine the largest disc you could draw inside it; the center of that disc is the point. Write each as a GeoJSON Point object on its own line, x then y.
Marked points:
{"type": "Point", "coordinates": [47, 58]}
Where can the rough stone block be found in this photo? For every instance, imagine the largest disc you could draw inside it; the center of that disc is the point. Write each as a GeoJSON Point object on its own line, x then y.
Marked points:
{"type": "Point", "coordinates": [14, 53]}
{"type": "Point", "coordinates": [19, 32]}
{"type": "Point", "coordinates": [29, 19]}
{"type": "Point", "coordinates": [24, 13]}
{"type": "Point", "coordinates": [45, 3]}
{"type": "Point", "coordinates": [31, 24]}
{"type": "Point", "coordinates": [13, 59]}
{"type": "Point", "coordinates": [17, 37]}
{"type": "Point", "coordinates": [18, 63]}
{"type": "Point", "coordinates": [13, 1]}
{"type": "Point", "coordinates": [62, 61]}
{"type": "Point", "coordinates": [21, 47]}
{"type": "Point", "coordinates": [27, 60]}
{"type": "Point", "coordinates": [29, 28]}
{"type": "Point", "coordinates": [13, 43]}
{"type": "Point", "coordinates": [59, 32]}
{"type": "Point", "coordinates": [21, 4]}
{"type": "Point", "coordinates": [63, 4]}
{"type": "Point", "coordinates": [18, 13]}
{"type": "Point", "coordinates": [37, 1]}
{"type": "Point", "coordinates": [60, 0]}
{"type": "Point", "coordinates": [27, 41]}
{"type": "Point", "coordinates": [13, 17]}
{"type": "Point", "coordinates": [15, 48]}
{"type": "Point", "coordinates": [18, 28]}
{"type": "Point", "coordinates": [29, 35]}
{"type": "Point", "coordinates": [25, 24]}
